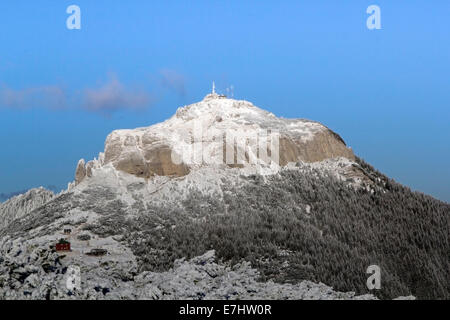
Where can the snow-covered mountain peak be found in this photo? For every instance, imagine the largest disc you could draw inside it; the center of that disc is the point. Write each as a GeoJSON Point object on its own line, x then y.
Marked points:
{"type": "Point", "coordinates": [218, 132]}
{"type": "Point", "coordinates": [216, 109]}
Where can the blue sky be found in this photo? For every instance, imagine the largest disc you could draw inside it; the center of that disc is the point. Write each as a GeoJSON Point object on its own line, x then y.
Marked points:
{"type": "Point", "coordinates": [133, 63]}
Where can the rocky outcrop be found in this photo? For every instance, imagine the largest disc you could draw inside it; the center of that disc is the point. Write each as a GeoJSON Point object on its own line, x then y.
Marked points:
{"type": "Point", "coordinates": [40, 273]}
{"type": "Point", "coordinates": [21, 205]}
{"type": "Point", "coordinates": [201, 131]}
{"type": "Point", "coordinates": [143, 155]}
{"type": "Point", "coordinates": [80, 172]}
{"type": "Point", "coordinates": [203, 278]}
{"type": "Point", "coordinates": [86, 169]}
{"type": "Point", "coordinates": [324, 145]}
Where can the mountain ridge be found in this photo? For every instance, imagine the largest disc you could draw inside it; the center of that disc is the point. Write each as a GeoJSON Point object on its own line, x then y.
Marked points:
{"type": "Point", "coordinates": [292, 221]}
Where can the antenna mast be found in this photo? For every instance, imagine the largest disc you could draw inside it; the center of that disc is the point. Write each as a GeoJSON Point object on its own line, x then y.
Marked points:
{"type": "Point", "coordinates": [214, 88]}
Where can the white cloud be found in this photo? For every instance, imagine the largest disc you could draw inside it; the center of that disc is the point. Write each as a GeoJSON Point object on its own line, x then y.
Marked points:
{"type": "Point", "coordinates": [173, 80]}
{"type": "Point", "coordinates": [52, 97]}
{"type": "Point", "coordinates": [113, 96]}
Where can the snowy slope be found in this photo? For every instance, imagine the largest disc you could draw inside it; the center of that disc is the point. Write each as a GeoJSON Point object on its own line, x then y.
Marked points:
{"type": "Point", "coordinates": [21, 205]}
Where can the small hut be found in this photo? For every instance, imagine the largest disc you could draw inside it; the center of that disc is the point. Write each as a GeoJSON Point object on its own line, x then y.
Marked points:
{"type": "Point", "coordinates": [63, 245]}
{"type": "Point", "coordinates": [97, 252]}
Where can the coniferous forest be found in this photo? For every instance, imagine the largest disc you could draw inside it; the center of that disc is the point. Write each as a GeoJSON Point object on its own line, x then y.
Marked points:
{"type": "Point", "coordinates": [297, 226]}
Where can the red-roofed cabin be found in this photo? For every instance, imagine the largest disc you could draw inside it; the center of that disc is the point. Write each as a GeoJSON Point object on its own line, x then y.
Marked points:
{"type": "Point", "coordinates": [63, 246]}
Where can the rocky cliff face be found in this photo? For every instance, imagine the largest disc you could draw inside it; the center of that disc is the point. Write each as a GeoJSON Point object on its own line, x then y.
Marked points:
{"type": "Point", "coordinates": [22, 204]}
{"type": "Point", "coordinates": [217, 132]}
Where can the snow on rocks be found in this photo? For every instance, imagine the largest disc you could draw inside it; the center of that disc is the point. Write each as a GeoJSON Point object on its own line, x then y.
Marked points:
{"type": "Point", "coordinates": [21, 205]}
{"type": "Point", "coordinates": [203, 278]}
{"type": "Point", "coordinates": [30, 269]}
{"type": "Point", "coordinates": [216, 132]}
